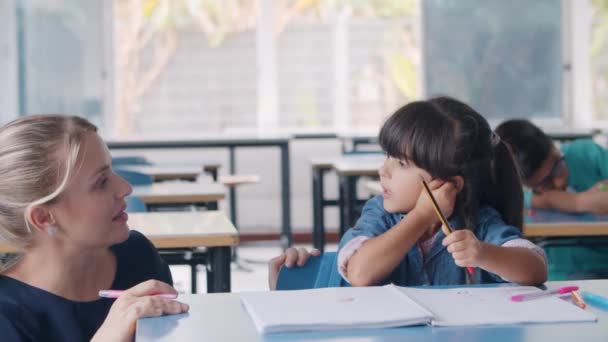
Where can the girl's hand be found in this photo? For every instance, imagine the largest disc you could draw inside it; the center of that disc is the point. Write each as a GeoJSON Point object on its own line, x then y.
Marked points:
{"type": "Point", "coordinates": [445, 195]}
{"type": "Point", "coordinates": [291, 257]}
{"type": "Point", "coordinates": [465, 248]}
{"type": "Point", "coordinates": [137, 302]}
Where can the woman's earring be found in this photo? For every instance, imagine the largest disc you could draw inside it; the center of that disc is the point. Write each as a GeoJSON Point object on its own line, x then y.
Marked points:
{"type": "Point", "coordinates": [52, 230]}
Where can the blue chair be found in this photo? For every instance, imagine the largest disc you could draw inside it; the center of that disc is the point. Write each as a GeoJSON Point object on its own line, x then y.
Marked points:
{"type": "Point", "coordinates": [134, 177]}
{"type": "Point", "coordinates": [321, 271]}
{"type": "Point", "coordinates": [136, 205]}
{"type": "Point", "coordinates": [129, 160]}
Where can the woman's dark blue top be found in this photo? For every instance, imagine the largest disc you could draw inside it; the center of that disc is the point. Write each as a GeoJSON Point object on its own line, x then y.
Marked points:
{"type": "Point", "coordinates": [28, 313]}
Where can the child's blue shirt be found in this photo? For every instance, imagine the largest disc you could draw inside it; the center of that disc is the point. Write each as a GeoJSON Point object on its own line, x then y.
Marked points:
{"type": "Point", "coordinates": [437, 267]}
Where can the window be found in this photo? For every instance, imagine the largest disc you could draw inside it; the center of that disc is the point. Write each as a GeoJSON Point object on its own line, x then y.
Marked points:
{"type": "Point", "coordinates": [61, 61]}
{"type": "Point", "coordinates": [348, 65]}
{"type": "Point", "coordinates": [502, 57]}
{"type": "Point", "coordinates": [190, 67]}
{"type": "Point", "coordinates": [184, 67]}
{"type": "Point", "coordinates": [599, 59]}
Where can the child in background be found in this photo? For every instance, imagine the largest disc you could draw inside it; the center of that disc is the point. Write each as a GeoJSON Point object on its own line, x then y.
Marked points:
{"type": "Point", "coordinates": [572, 178]}
{"type": "Point", "coordinates": [475, 181]}
{"type": "Point", "coordinates": [580, 166]}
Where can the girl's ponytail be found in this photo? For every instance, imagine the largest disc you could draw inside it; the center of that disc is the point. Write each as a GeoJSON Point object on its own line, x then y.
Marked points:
{"type": "Point", "coordinates": [505, 193]}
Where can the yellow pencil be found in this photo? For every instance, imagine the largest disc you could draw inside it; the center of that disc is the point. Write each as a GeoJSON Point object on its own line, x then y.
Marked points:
{"type": "Point", "coordinates": [447, 230]}
{"type": "Point", "coordinates": [445, 225]}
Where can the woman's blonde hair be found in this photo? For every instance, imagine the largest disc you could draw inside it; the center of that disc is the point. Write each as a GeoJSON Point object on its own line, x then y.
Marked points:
{"type": "Point", "coordinates": [38, 154]}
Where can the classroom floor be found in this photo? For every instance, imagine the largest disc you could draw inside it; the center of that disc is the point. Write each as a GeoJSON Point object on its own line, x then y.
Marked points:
{"type": "Point", "coordinates": [254, 255]}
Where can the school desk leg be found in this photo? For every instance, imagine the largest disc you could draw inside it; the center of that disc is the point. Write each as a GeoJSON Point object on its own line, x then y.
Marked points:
{"type": "Point", "coordinates": [318, 231]}
{"type": "Point", "coordinates": [286, 236]}
{"type": "Point", "coordinates": [348, 199]}
{"type": "Point", "coordinates": [193, 280]}
{"type": "Point", "coordinates": [218, 269]}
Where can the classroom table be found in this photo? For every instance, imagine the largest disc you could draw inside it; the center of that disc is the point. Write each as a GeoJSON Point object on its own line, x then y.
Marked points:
{"type": "Point", "coordinates": [553, 224]}
{"type": "Point", "coordinates": [210, 229]}
{"type": "Point", "coordinates": [180, 193]}
{"type": "Point", "coordinates": [349, 169]}
{"type": "Point", "coordinates": [161, 173]}
{"type": "Point", "coordinates": [230, 141]}
{"type": "Point", "coordinates": [221, 317]}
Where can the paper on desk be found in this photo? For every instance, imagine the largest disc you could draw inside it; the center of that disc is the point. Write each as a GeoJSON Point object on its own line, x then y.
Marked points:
{"type": "Point", "coordinates": [492, 305]}
{"type": "Point", "coordinates": [332, 309]}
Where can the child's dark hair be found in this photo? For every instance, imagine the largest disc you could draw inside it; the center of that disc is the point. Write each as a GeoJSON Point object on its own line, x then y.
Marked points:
{"type": "Point", "coordinates": [531, 146]}
{"type": "Point", "coordinates": [448, 138]}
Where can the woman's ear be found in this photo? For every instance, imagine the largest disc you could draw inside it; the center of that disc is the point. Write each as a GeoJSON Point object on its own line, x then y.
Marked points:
{"type": "Point", "coordinates": [458, 182]}
{"type": "Point", "coordinates": [40, 218]}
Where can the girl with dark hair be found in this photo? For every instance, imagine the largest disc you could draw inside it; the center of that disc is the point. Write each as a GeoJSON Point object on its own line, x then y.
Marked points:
{"type": "Point", "coordinates": [570, 178]}
{"type": "Point", "coordinates": [476, 182]}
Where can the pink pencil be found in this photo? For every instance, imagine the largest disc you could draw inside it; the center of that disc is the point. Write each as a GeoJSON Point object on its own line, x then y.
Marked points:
{"type": "Point", "coordinates": [116, 293]}
{"type": "Point", "coordinates": [533, 295]}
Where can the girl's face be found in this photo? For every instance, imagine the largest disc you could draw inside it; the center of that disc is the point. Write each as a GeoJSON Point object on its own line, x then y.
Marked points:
{"type": "Point", "coordinates": [401, 184]}
{"type": "Point", "coordinates": [551, 175]}
{"type": "Point", "coordinates": [90, 211]}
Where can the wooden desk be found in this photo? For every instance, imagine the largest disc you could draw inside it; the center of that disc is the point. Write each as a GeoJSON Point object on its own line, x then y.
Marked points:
{"type": "Point", "coordinates": [231, 142]}
{"type": "Point", "coordinates": [349, 169]}
{"type": "Point", "coordinates": [183, 229]}
{"type": "Point", "coordinates": [180, 193]}
{"type": "Point", "coordinates": [167, 172]}
{"type": "Point", "coordinates": [553, 224]}
{"type": "Point", "coordinates": [221, 317]}
{"type": "Point", "coordinates": [210, 229]}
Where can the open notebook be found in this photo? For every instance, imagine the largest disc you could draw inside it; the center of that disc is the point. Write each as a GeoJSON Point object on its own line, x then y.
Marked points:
{"type": "Point", "coordinates": [393, 306]}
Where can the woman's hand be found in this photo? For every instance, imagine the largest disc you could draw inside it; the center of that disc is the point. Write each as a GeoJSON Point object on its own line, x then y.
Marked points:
{"type": "Point", "coordinates": [135, 303]}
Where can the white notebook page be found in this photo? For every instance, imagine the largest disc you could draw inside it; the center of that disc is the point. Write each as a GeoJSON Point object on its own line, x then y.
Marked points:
{"type": "Point", "coordinates": [332, 308]}
{"type": "Point", "coordinates": [481, 306]}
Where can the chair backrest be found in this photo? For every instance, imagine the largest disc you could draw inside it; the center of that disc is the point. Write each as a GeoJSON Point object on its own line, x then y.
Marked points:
{"type": "Point", "coordinates": [321, 271]}
{"type": "Point", "coordinates": [135, 205]}
{"type": "Point", "coordinates": [134, 177]}
{"type": "Point", "coordinates": [129, 160]}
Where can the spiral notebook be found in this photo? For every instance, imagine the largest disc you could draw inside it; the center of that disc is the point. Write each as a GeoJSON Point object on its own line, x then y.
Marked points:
{"type": "Point", "coordinates": [393, 306]}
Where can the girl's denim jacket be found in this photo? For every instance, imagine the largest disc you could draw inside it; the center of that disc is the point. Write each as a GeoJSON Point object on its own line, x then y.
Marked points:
{"type": "Point", "coordinates": [437, 267]}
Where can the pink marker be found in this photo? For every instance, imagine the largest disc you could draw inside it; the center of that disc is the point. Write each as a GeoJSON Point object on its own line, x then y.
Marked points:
{"type": "Point", "coordinates": [534, 295]}
{"type": "Point", "coordinates": [116, 293]}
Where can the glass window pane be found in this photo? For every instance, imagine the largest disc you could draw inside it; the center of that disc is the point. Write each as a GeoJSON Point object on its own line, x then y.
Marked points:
{"type": "Point", "coordinates": [305, 68]}
{"type": "Point", "coordinates": [61, 57]}
{"type": "Point", "coordinates": [599, 59]}
{"type": "Point", "coordinates": [361, 57]}
{"type": "Point", "coordinates": [384, 62]}
{"type": "Point", "coordinates": [185, 67]}
{"type": "Point", "coordinates": [503, 57]}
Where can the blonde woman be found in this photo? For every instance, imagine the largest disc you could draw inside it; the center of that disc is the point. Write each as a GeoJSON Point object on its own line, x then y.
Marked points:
{"type": "Point", "coordinates": [64, 209]}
